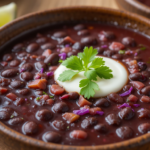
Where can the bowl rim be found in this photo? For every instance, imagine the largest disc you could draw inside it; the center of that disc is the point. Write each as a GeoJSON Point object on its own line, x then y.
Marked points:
{"type": "Point", "coordinates": [139, 5]}
{"type": "Point", "coordinates": [138, 141]}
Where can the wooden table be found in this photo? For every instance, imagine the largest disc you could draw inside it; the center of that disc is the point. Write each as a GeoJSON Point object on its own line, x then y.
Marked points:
{"type": "Point", "coordinates": [27, 6]}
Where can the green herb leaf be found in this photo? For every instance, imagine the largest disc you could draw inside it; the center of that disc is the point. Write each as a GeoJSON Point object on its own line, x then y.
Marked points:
{"type": "Point", "coordinates": [38, 98]}
{"type": "Point", "coordinates": [88, 55]}
{"type": "Point", "coordinates": [97, 62]}
{"type": "Point", "coordinates": [51, 96]}
{"type": "Point", "coordinates": [122, 52]}
{"type": "Point", "coordinates": [88, 88]}
{"type": "Point", "coordinates": [104, 72]}
{"type": "Point", "coordinates": [91, 74]}
{"type": "Point", "coordinates": [60, 61]}
{"type": "Point", "coordinates": [73, 63]}
{"type": "Point", "coordinates": [44, 93]}
{"type": "Point", "coordinates": [67, 75]}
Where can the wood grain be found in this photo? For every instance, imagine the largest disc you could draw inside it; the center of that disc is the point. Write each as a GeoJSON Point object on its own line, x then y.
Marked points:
{"type": "Point", "coordinates": [28, 6]}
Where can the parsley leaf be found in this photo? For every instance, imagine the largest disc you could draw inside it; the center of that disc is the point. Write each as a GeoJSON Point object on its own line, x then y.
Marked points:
{"type": "Point", "coordinates": [92, 66]}
{"type": "Point", "coordinates": [73, 63]}
{"type": "Point", "coordinates": [67, 75]}
{"type": "Point", "coordinates": [91, 74]}
{"type": "Point", "coordinates": [88, 55]}
{"type": "Point", "coordinates": [88, 88]}
{"type": "Point", "coordinates": [97, 62]}
{"type": "Point", "coordinates": [104, 72]}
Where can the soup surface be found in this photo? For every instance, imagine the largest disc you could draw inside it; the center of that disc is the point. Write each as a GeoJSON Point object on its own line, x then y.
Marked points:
{"type": "Point", "coordinates": [33, 104]}
{"type": "Point", "coordinates": [145, 2]}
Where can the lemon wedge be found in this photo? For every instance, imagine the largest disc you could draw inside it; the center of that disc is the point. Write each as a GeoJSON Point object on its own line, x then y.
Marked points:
{"type": "Point", "coordinates": [7, 13]}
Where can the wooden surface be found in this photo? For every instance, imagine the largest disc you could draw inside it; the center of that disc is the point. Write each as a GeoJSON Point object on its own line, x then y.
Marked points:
{"type": "Point", "coordinates": [27, 6]}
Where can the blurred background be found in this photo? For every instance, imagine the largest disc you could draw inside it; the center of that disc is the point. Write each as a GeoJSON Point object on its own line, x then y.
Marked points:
{"type": "Point", "coordinates": [28, 6]}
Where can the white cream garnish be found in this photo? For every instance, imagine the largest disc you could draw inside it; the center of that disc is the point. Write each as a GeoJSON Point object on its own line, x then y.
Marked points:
{"type": "Point", "coordinates": [106, 86]}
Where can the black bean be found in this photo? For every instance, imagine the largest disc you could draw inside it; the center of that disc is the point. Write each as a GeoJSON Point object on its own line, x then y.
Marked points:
{"type": "Point", "coordinates": [144, 128]}
{"type": "Point", "coordinates": [126, 113]}
{"type": "Point", "coordinates": [100, 50]}
{"type": "Point", "coordinates": [22, 55]}
{"type": "Point", "coordinates": [138, 58]}
{"type": "Point", "coordinates": [32, 47]}
{"type": "Point", "coordinates": [7, 57]}
{"type": "Point", "coordinates": [142, 66]}
{"type": "Point", "coordinates": [124, 132]}
{"type": "Point", "coordinates": [4, 82]}
{"type": "Point", "coordinates": [52, 59]}
{"type": "Point", "coordinates": [44, 115]}
{"type": "Point", "coordinates": [89, 122]}
{"type": "Point", "coordinates": [4, 115]}
{"type": "Point", "coordinates": [126, 87]}
{"type": "Point", "coordinates": [59, 125]}
{"type": "Point", "coordinates": [115, 98]}
{"type": "Point", "coordinates": [146, 74]}
{"type": "Point", "coordinates": [60, 107]}
{"type": "Point", "coordinates": [14, 63]}
{"type": "Point", "coordinates": [83, 32]}
{"type": "Point", "coordinates": [137, 77]}
{"type": "Point", "coordinates": [117, 56]}
{"type": "Point", "coordinates": [17, 84]}
{"type": "Point", "coordinates": [108, 53]}
{"type": "Point", "coordinates": [109, 35]}
{"type": "Point", "coordinates": [128, 41]}
{"type": "Point", "coordinates": [145, 91]}
{"type": "Point", "coordinates": [144, 113]}
{"type": "Point", "coordinates": [15, 121]}
{"type": "Point", "coordinates": [27, 76]}
{"type": "Point", "coordinates": [52, 136]}
{"type": "Point", "coordinates": [73, 95]}
{"type": "Point", "coordinates": [102, 128]}
{"type": "Point", "coordinates": [27, 67]}
{"type": "Point", "coordinates": [50, 46]}
{"type": "Point", "coordinates": [102, 102]}
{"type": "Point", "coordinates": [30, 128]}
{"type": "Point", "coordinates": [19, 101]}
{"type": "Point", "coordinates": [24, 92]}
{"type": "Point", "coordinates": [79, 27]}
{"type": "Point", "coordinates": [10, 73]}
{"type": "Point", "coordinates": [42, 40]}
{"type": "Point", "coordinates": [40, 58]}
{"type": "Point", "coordinates": [71, 54]}
{"type": "Point", "coordinates": [90, 40]}
{"type": "Point", "coordinates": [17, 48]}
{"type": "Point", "coordinates": [78, 46]}
{"type": "Point", "coordinates": [59, 34]}
{"type": "Point", "coordinates": [113, 119]}
{"type": "Point", "coordinates": [40, 65]}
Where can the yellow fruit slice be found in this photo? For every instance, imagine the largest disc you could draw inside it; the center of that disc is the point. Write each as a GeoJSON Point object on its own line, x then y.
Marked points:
{"type": "Point", "coordinates": [7, 13]}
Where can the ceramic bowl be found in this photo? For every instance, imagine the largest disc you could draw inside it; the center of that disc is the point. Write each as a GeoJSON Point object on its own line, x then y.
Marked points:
{"type": "Point", "coordinates": [134, 6]}
{"type": "Point", "coordinates": [12, 140]}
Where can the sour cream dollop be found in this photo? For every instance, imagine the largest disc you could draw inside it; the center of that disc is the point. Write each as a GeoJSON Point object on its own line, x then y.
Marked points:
{"type": "Point", "coordinates": [106, 86]}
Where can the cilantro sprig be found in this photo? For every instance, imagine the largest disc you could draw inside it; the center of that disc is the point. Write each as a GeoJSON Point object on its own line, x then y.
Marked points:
{"type": "Point", "coordinates": [93, 68]}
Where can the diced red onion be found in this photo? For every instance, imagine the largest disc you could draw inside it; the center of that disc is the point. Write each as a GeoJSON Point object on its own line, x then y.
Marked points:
{"type": "Point", "coordinates": [37, 76]}
{"type": "Point", "coordinates": [125, 105]}
{"type": "Point", "coordinates": [22, 70]}
{"type": "Point", "coordinates": [67, 45]}
{"type": "Point", "coordinates": [100, 113]}
{"type": "Point", "coordinates": [63, 56]}
{"type": "Point", "coordinates": [58, 50]}
{"type": "Point", "coordinates": [25, 99]}
{"type": "Point", "coordinates": [42, 70]}
{"type": "Point", "coordinates": [136, 105]}
{"type": "Point", "coordinates": [127, 92]}
{"type": "Point", "coordinates": [81, 112]}
{"type": "Point", "coordinates": [135, 54]}
{"type": "Point", "coordinates": [104, 46]}
{"type": "Point", "coordinates": [66, 96]}
{"type": "Point", "coordinates": [50, 74]}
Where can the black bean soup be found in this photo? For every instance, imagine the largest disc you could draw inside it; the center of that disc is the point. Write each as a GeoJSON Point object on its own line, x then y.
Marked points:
{"type": "Point", "coordinates": [33, 104]}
